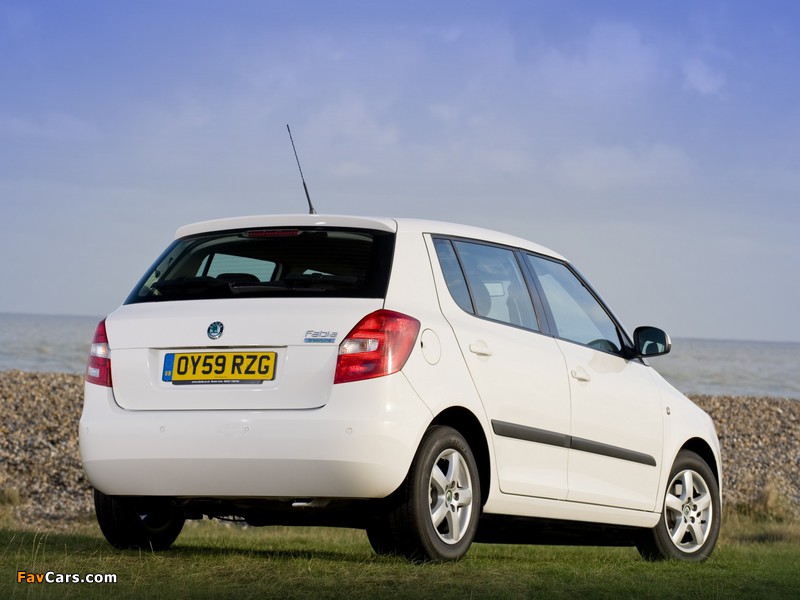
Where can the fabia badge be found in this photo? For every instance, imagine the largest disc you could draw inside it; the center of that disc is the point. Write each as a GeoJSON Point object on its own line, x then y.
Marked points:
{"type": "Point", "coordinates": [314, 336]}
{"type": "Point", "coordinates": [215, 330]}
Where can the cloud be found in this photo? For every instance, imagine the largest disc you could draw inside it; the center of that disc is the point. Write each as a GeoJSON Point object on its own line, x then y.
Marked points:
{"type": "Point", "coordinates": [699, 77]}
{"type": "Point", "coordinates": [353, 119]}
{"type": "Point", "coordinates": [610, 168]}
{"type": "Point", "coordinates": [349, 169]}
{"type": "Point", "coordinates": [448, 34]}
{"type": "Point", "coordinates": [52, 126]}
{"type": "Point", "coordinates": [614, 62]}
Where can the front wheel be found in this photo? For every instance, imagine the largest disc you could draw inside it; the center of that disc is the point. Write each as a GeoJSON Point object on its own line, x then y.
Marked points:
{"type": "Point", "coordinates": [143, 523]}
{"type": "Point", "coordinates": [436, 516]}
{"type": "Point", "coordinates": [690, 521]}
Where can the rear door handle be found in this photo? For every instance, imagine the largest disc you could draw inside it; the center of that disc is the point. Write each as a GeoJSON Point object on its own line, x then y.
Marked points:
{"type": "Point", "coordinates": [480, 348]}
{"type": "Point", "coordinates": [580, 374]}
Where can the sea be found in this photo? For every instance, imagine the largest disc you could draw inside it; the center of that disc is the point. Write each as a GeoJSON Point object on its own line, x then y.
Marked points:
{"type": "Point", "coordinates": [694, 366]}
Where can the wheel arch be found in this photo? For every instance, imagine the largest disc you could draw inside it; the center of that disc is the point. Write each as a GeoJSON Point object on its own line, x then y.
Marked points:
{"type": "Point", "coordinates": [466, 423]}
{"type": "Point", "coordinates": [704, 451]}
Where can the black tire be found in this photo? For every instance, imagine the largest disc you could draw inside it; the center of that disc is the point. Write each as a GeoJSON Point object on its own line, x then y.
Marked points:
{"type": "Point", "coordinates": [690, 520]}
{"type": "Point", "coordinates": [142, 523]}
{"type": "Point", "coordinates": [382, 540]}
{"type": "Point", "coordinates": [438, 506]}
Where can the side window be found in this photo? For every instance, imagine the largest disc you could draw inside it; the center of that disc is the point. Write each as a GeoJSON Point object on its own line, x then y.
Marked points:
{"type": "Point", "coordinates": [578, 316]}
{"type": "Point", "coordinates": [496, 284]}
{"type": "Point", "coordinates": [453, 274]}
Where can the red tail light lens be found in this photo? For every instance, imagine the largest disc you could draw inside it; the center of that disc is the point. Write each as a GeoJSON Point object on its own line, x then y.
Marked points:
{"type": "Point", "coordinates": [98, 369]}
{"type": "Point", "coordinates": [379, 345]}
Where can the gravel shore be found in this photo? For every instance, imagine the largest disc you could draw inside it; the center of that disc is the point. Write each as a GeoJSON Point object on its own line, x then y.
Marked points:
{"type": "Point", "coordinates": [42, 483]}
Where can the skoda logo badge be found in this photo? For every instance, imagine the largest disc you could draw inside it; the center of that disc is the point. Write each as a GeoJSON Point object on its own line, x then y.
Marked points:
{"type": "Point", "coordinates": [215, 330]}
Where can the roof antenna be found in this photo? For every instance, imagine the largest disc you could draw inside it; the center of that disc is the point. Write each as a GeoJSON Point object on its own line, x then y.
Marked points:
{"type": "Point", "coordinates": [311, 210]}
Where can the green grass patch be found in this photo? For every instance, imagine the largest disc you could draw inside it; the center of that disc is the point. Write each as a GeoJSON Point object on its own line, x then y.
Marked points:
{"type": "Point", "coordinates": [213, 560]}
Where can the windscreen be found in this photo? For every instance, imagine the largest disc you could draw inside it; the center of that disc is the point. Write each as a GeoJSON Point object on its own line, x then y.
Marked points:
{"type": "Point", "coordinates": [293, 262]}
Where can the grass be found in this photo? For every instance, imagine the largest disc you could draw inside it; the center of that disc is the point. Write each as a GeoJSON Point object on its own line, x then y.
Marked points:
{"type": "Point", "coordinates": [756, 558]}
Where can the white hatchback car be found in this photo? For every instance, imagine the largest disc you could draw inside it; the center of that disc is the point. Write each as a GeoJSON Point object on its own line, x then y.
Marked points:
{"type": "Point", "coordinates": [432, 383]}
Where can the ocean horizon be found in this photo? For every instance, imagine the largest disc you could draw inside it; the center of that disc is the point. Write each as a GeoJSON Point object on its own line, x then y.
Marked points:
{"type": "Point", "coordinates": [60, 343]}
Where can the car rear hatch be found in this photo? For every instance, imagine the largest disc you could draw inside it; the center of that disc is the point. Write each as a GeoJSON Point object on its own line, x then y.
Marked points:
{"type": "Point", "coordinates": [246, 319]}
{"type": "Point", "coordinates": [272, 354]}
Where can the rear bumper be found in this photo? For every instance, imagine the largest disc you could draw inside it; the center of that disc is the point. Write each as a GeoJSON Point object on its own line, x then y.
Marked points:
{"type": "Point", "coordinates": [359, 445]}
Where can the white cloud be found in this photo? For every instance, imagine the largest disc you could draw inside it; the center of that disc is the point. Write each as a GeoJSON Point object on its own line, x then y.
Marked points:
{"type": "Point", "coordinates": [349, 169]}
{"type": "Point", "coordinates": [352, 118]}
{"type": "Point", "coordinates": [613, 63]}
{"type": "Point", "coordinates": [448, 34]}
{"type": "Point", "coordinates": [698, 76]}
{"type": "Point", "coordinates": [609, 168]}
{"type": "Point", "coordinates": [448, 114]}
{"type": "Point", "coordinates": [49, 126]}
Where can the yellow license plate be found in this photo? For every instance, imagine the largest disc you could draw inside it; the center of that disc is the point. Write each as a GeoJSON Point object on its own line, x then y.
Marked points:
{"type": "Point", "coordinates": [219, 367]}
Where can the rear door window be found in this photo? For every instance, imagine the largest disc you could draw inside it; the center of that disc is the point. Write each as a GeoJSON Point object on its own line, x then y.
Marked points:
{"type": "Point", "coordinates": [305, 262]}
{"type": "Point", "coordinates": [487, 281]}
{"type": "Point", "coordinates": [453, 275]}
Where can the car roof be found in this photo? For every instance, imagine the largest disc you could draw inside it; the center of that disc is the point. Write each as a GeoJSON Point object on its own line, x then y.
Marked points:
{"type": "Point", "coordinates": [393, 225]}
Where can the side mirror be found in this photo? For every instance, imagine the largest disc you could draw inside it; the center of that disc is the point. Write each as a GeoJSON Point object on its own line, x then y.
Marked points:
{"type": "Point", "coordinates": [651, 341]}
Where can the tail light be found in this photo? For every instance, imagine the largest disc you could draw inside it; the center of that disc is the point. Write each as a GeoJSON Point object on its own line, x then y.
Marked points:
{"type": "Point", "coordinates": [98, 369]}
{"type": "Point", "coordinates": [379, 345]}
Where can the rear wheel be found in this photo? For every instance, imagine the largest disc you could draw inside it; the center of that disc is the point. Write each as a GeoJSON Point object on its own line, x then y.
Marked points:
{"type": "Point", "coordinates": [689, 524]}
{"type": "Point", "coordinates": [382, 540]}
{"type": "Point", "coordinates": [142, 523]}
{"type": "Point", "coordinates": [438, 506]}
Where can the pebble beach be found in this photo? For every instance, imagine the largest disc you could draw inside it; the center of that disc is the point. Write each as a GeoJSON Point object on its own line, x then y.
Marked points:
{"type": "Point", "coordinates": [42, 484]}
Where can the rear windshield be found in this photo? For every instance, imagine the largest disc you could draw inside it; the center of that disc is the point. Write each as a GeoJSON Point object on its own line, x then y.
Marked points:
{"type": "Point", "coordinates": [302, 262]}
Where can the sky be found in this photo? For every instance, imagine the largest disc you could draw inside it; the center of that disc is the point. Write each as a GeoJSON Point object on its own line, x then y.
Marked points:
{"type": "Point", "coordinates": [656, 145]}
